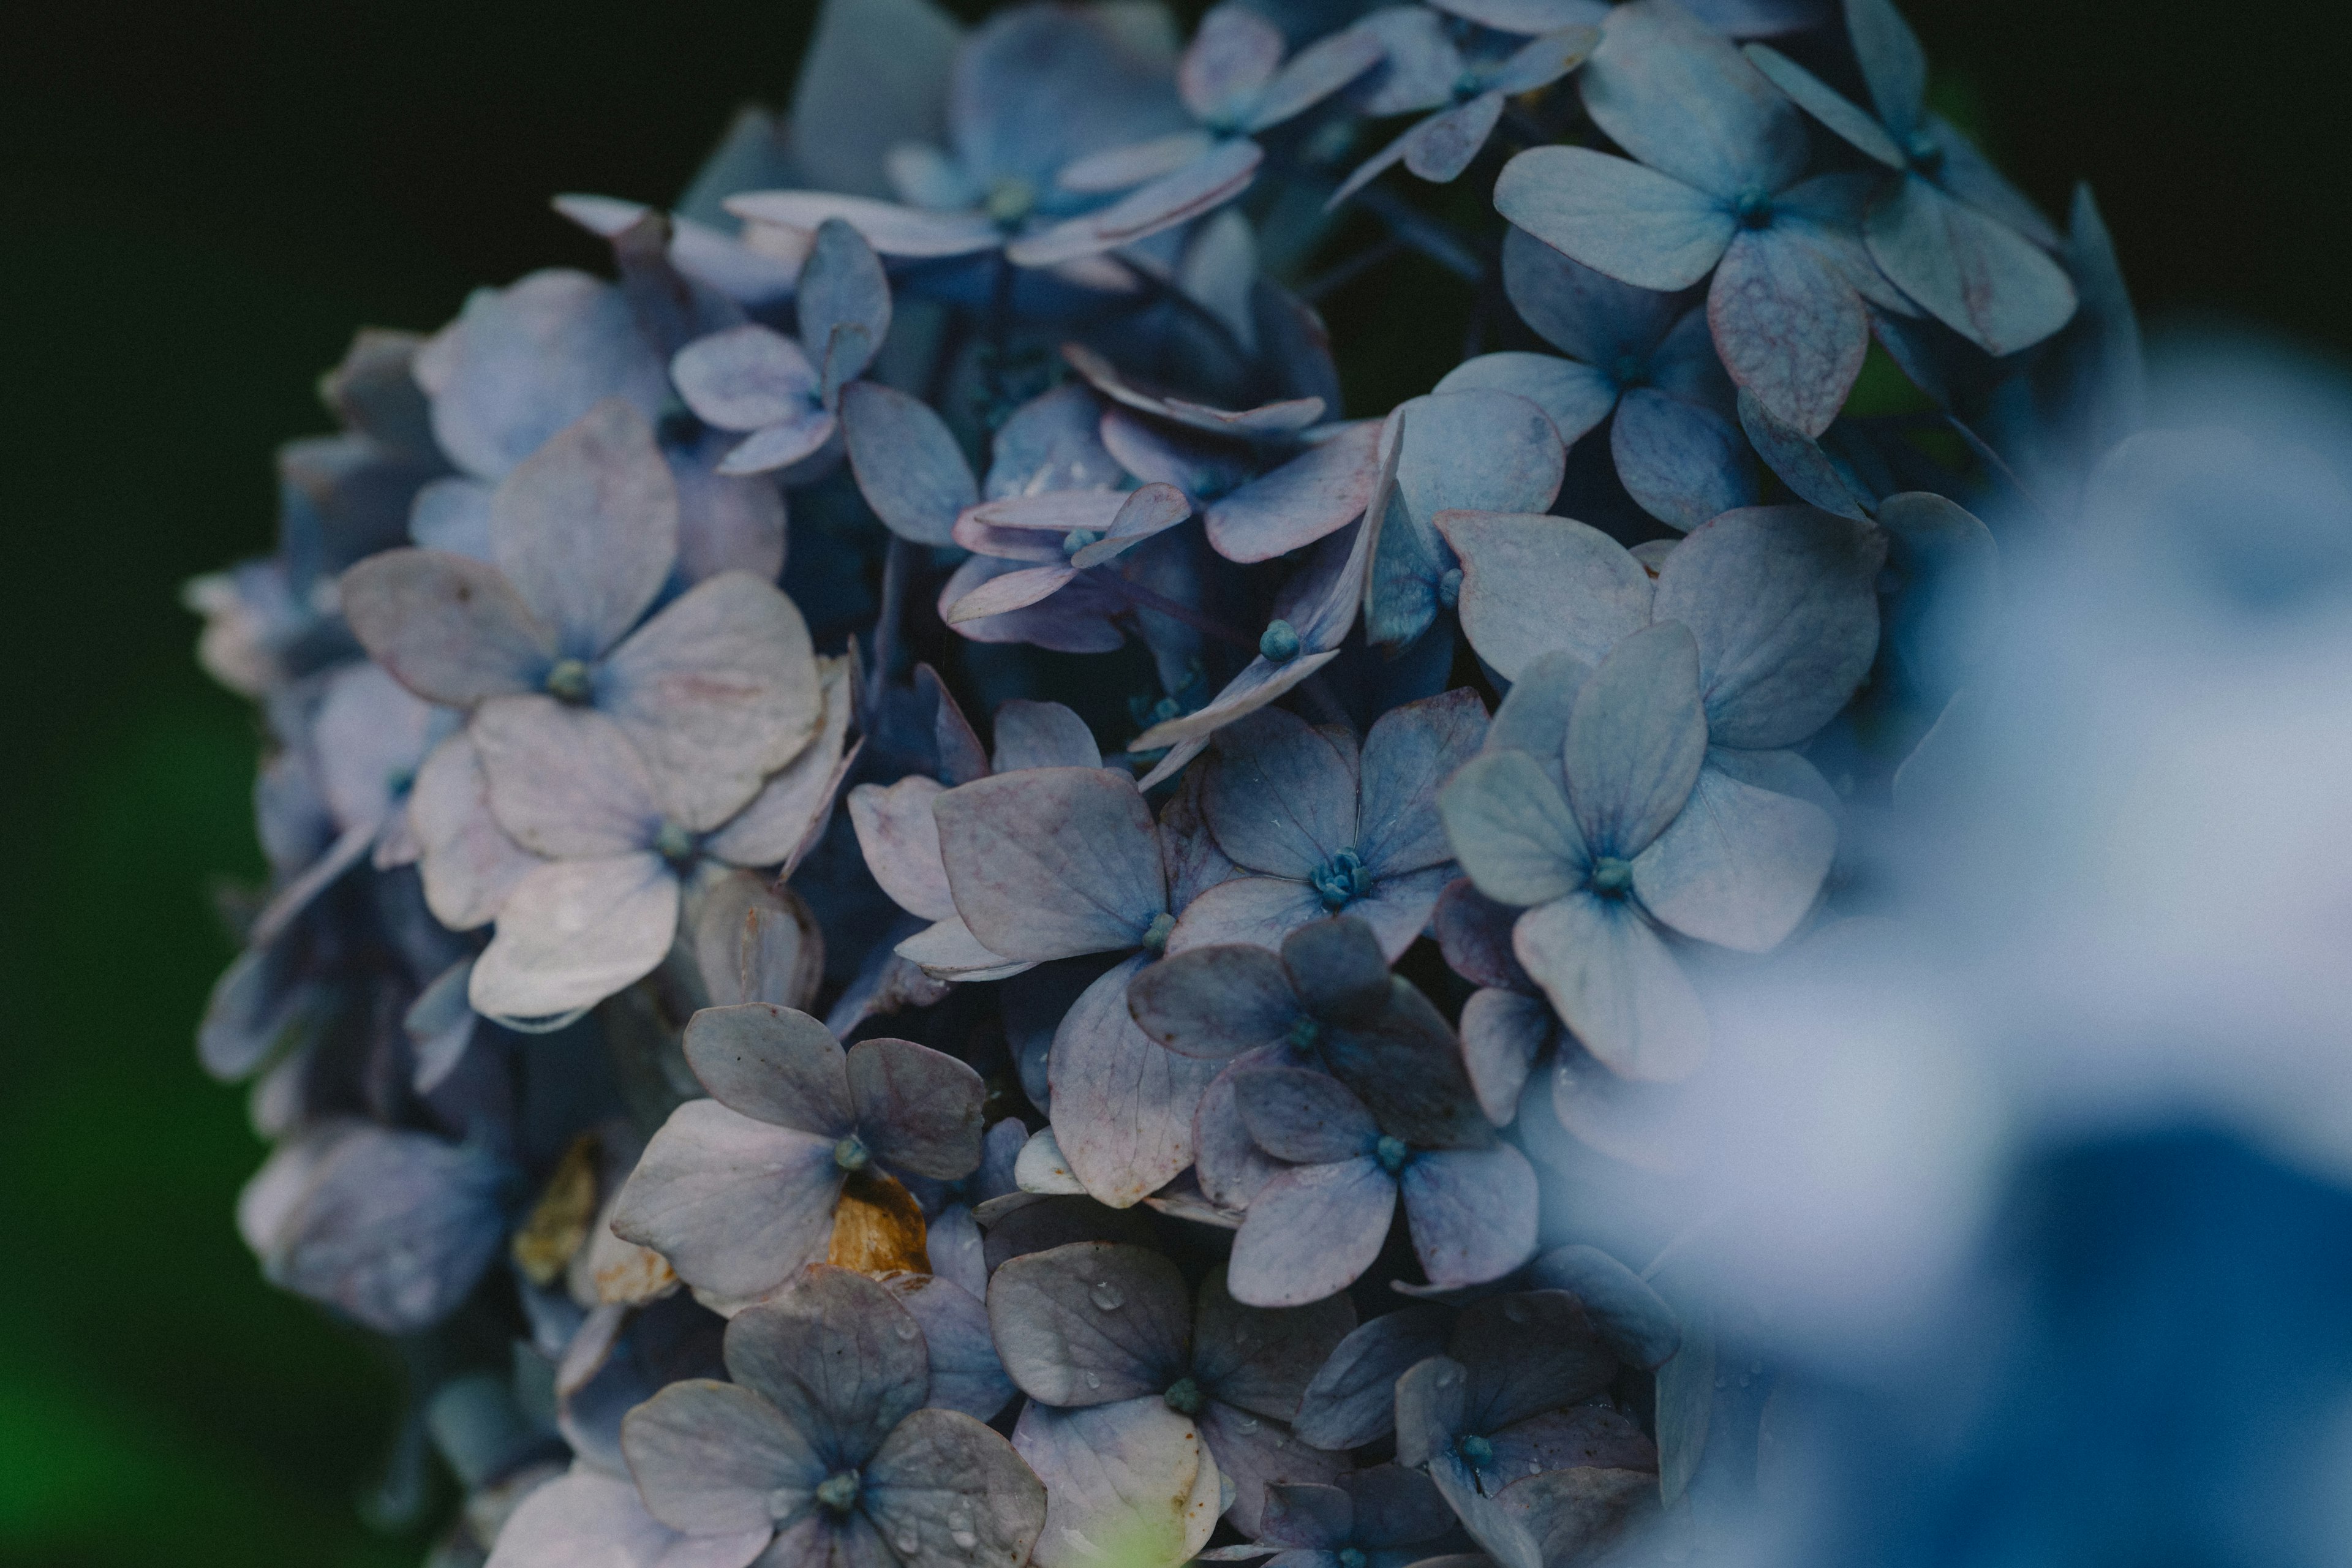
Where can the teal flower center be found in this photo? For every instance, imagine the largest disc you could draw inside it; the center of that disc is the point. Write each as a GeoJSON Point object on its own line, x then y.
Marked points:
{"type": "Point", "coordinates": [1280, 644]}
{"type": "Point", "coordinates": [1184, 1396]}
{"type": "Point", "coordinates": [1926, 153]}
{"type": "Point", "coordinates": [1155, 935]}
{"type": "Point", "coordinates": [1351, 1557]}
{"type": "Point", "coordinates": [672, 842]}
{"type": "Point", "coordinates": [1449, 587]}
{"type": "Point", "coordinates": [1611, 877]}
{"type": "Point", "coordinates": [1010, 200]}
{"type": "Point", "coordinates": [1391, 1153]}
{"type": "Point", "coordinates": [1754, 208]}
{"type": "Point", "coordinates": [1630, 371]}
{"type": "Point", "coordinates": [1342, 879]}
{"type": "Point", "coordinates": [838, 1491]}
{"type": "Point", "coordinates": [1305, 1034]}
{"type": "Point", "coordinates": [1475, 1451]}
{"type": "Point", "coordinates": [851, 1154]}
{"type": "Point", "coordinates": [567, 681]}
{"type": "Point", "coordinates": [1078, 539]}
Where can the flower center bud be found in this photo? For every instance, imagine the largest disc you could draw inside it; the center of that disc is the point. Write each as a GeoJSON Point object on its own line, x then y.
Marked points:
{"type": "Point", "coordinates": [1010, 200]}
{"type": "Point", "coordinates": [1155, 935]}
{"type": "Point", "coordinates": [851, 1154]}
{"type": "Point", "coordinates": [1391, 1153]}
{"type": "Point", "coordinates": [1351, 1557]}
{"type": "Point", "coordinates": [838, 1491]}
{"type": "Point", "coordinates": [1280, 644]}
{"type": "Point", "coordinates": [1184, 1396]}
{"type": "Point", "coordinates": [1078, 539]}
{"type": "Point", "coordinates": [1630, 370]}
{"type": "Point", "coordinates": [672, 842]}
{"type": "Point", "coordinates": [1611, 877]}
{"type": "Point", "coordinates": [1469, 84]}
{"type": "Point", "coordinates": [1755, 207]}
{"type": "Point", "coordinates": [1342, 879]}
{"type": "Point", "coordinates": [1926, 155]}
{"type": "Point", "coordinates": [1475, 1451]}
{"type": "Point", "coordinates": [1304, 1033]}
{"type": "Point", "coordinates": [1449, 587]}
{"type": "Point", "coordinates": [567, 681]}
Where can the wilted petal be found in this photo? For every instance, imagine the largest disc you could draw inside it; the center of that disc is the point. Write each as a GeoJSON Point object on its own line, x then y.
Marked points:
{"type": "Point", "coordinates": [1534, 584]}
{"type": "Point", "coordinates": [572, 933]}
{"type": "Point", "coordinates": [1616, 985]}
{"type": "Point", "coordinates": [468, 863]}
{"type": "Point", "coordinates": [917, 1108]}
{"type": "Point", "coordinates": [1317, 493]}
{"type": "Point", "coordinates": [1681, 98]}
{"type": "Point", "coordinates": [1091, 1323]}
{"type": "Point", "coordinates": [449, 628]}
{"type": "Point", "coordinates": [1472, 1213]}
{"type": "Point", "coordinates": [1351, 1400]}
{"type": "Point", "coordinates": [736, 1206]}
{"type": "Point", "coordinates": [707, 1457]}
{"type": "Point", "coordinates": [1128, 1482]}
{"type": "Point", "coordinates": [1739, 867]}
{"type": "Point", "coordinates": [1975, 274]}
{"type": "Point", "coordinates": [586, 526]}
{"type": "Point", "coordinates": [1789, 325]}
{"type": "Point", "coordinates": [1267, 419]}
{"type": "Point", "coordinates": [906, 463]}
{"type": "Point", "coordinates": [1503, 1034]}
{"type": "Point", "coordinates": [1215, 1002]}
{"type": "Point", "coordinates": [955, 1490]}
{"type": "Point", "coordinates": [837, 1355]}
{"type": "Point", "coordinates": [1512, 830]}
{"type": "Point", "coordinates": [744, 378]}
{"type": "Point", "coordinates": [1052, 862]}
{"type": "Point", "coordinates": [1312, 1232]}
{"type": "Point", "coordinates": [1122, 1105]}
{"type": "Point", "coordinates": [717, 691]}
{"type": "Point", "coordinates": [773, 1064]}
{"type": "Point", "coordinates": [1636, 225]}
{"type": "Point", "coordinates": [1410, 751]}
{"type": "Point", "coordinates": [1636, 740]}
{"type": "Point", "coordinates": [1681, 463]}
{"type": "Point", "coordinates": [889, 228]}
{"type": "Point", "coordinates": [966, 1374]}
{"type": "Point", "coordinates": [1783, 603]}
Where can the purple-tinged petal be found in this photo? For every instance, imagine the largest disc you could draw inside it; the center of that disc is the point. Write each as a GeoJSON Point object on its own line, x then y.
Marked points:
{"type": "Point", "coordinates": [772, 1064]}
{"type": "Point", "coordinates": [1615, 217]}
{"type": "Point", "coordinates": [1031, 527]}
{"type": "Point", "coordinates": [1529, 1352]}
{"type": "Point", "coordinates": [1633, 1320]}
{"type": "Point", "coordinates": [586, 526]}
{"type": "Point", "coordinates": [1421, 65]}
{"type": "Point", "coordinates": [1512, 830]}
{"type": "Point", "coordinates": [1257, 912]}
{"type": "Point", "coordinates": [1574, 396]}
{"type": "Point", "coordinates": [889, 228]}
{"type": "Point", "coordinates": [1532, 585]}
{"type": "Point", "coordinates": [1503, 1034]}
{"type": "Point", "coordinates": [1122, 1105]}
{"type": "Point", "coordinates": [564, 781]}
{"type": "Point", "coordinates": [1187, 850]}
{"type": "Point", "coordinates": [837, 1356]}
{"type": "Point", "coordinates": [1472, 1213]}
{"type": "Point", "coordinates": [1042, 735]}
{"type": "Point", "coordinates": [736, 1206]}
{"type": "Point", "coordinates": [1410, 752]}
{"type": "Point", "coordinates": [1473, 932]}
{"type": "Point", "coordinates": [1316, 1515]}
{"type": "Point", "coordinates": [917, 1108]}
{"type": "Point", "coordinates": [1442, 146]}
{"type": "Point", "coordinates": [1975, 274]}
{"type": "Point", "coordinates": [902, 843]}
{"type": "Point", "coordinates": [1261, 681]}
{"type": "Point", "coordinates": [1784, 605]}
{"type": "Point", "coordinates": [1233, 54]}
{"type": "Point", "coordinates": [719, 691]}
{"type": "Point", "coordinates": [1226, 1160]}
{"type": "Point", "coordinates": [1432, 1404]}
{"type": "Point", "coordinates": [1020, 1223]}
{"type": "Point", "coordinates": [1091, 1323]}
{"type": "Point", "coordinates": [469, 864]}
{"type": "Point", "coordinates": [1193, 461]}
{"type": "Point", "coordinates": [1314, 74]}
{"type": "Point", "coordinates": [1012, 591]}
{"type": "Point", "coordinates": [1789, 325]}
{"type": "Point", "coordinates": [1052, 442]}
{"type": "Point", "coordinates": [1312, 1232]}
{"type": "Point", "coordinates": [1303, 1117]}
{"type": "Point", "coordinates": [1315, 494]}
{"type": "Point", "coordinates": [1615, 984]}
{"type": "Point", "coordinates": [1053, 862]}
{"type": "Point", "coordinates": [1129, 1481]}
{"type": "Point", "coordinates": [754, 942]}
{"type": "Point", "coordinates": [1280, 796]}
{"type": "Point", "coordinates": [1260, 1361]}
{"type": "Point", "coordinates": [572, 933]}
{"type": "Point", "coordinates": [1740, 866]}
{"type": "Point", "coordinates": [725, 522]}
{"type": "Point", "coordinates": [449, 628]}
{"type": "Point", "coordinates": [843, 305]}
{"type": "Point", "coordinates": [1253, 1452]}
{"type": "Point", "coordinates": [1396, 1507]}
{"type": "Point", "coordinates": [1800, 463]}
{"type": "Point", "coordinates": [709, 1456]}
{"type": "Point", "coordinates": [1267, 419]}
{"type": "Point", "coordinates": [819, 1538]}
{"type": "Point", "coordinates": [1681, 98]}
{"type": "Point", "coordinates": [906, 463]}
{"type": "Point", "coordinates": [1351, 1400]}
{"type": "Point", "coordinates": [1399, 907]}
{"type": "Point", "coordinates": [1215, 1002]}
{"type": "Point", "coordinates": [1681, 463]}
{"type": "Point", "coordinates": [451, 515]}
{"type": "Point", "coordinates": [1636, 740]}
{"type": "Point", "coordinates": [957, 1492]}
{"type": "Point", "coordinates": [965, 1372]}
{"type": "Point", "coordinates": [1153, 509]}
{"type": "Point", "coordinates": [1203, 184]}
{"type": "Point", "coordinates": [745, 378]}
{"type": "Point", "coordinates": [1380, 163]}
{"type": "Point", "coordinates": [1076, 620]}
{"type": "Point", "coordinates": [1577, 1514]}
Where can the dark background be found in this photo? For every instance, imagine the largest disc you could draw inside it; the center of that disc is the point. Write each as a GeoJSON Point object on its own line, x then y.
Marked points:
{"type": "Point", "coordinates": [200, 204]}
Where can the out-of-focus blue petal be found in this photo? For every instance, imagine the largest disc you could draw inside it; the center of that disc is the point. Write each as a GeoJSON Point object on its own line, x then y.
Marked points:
{"type": "Point", "coordinates": [1036, 86]}
{"type": "Point", "coordinates": [1642, 227]}
{"type": "Point", "coordinates": [1633, 1319]}
{"type": "Point", "coordinates": [1828, 105]}
{"type": "Point", "coordinates": [1541, 61]}
{"type": "Point", "coordinates": [874, 76]}
{"type": "Point", "coordinates": [1969, 174]}
{"type": "Point", "coordinates": [1421, 65]}
{"type": "Point", "coordinates": [1314, 74]}
{"type": "Point", "coordinates": [1894, 67]}
{"type": "Point", "coordinates": [1503, 1034]}
{"type": "Point", "coordinates": [746, 377]}
{"type": "Point", "coordinates": [1233, 54]}
{"type": "Point", "coordinates": [842, 290]}
{"type": "Point", "coordinates": [1681, 98]}
{"type": "Point", "coordinates": [1205, 183]}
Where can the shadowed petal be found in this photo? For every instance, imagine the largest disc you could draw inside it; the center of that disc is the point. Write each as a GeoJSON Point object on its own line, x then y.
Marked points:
{"type": "Point", "coordinates": [1410, 752]}
{"type": "Point", "coordinates": [1314, 74]}
{"type": "Point", "coordinates": [1503, 1034]}
{"type": "Point", "coordinates": [572, 933]}
{"type": "Point", "coordinates": [1091, 1323]}
{"type": "Point", "coordinates": [1053, 442]}
{"type": "Point", "coordinates": [917, 1108]}
{"type": "Point", "coordinates": [736, 1206]}
{"type": "Point", "coordinates": [837, 1356]}
{"type": "Point", "coordinates": [1351, 1400]}
{"type": "Point", "coordinates": [586, 526]}
{"type": "Point", "coordinates": [1399, 907]}
{"type": "Point", "coordinates": [1215, 1002]}
{"type": "Point", "coordinates": [906, 463]}
{"type": "Point", "coordinates": [1636, 740]}
{"type": "Point", "coordinates": [1226, 1160]}
{"type": "Point", "coordinates": [781, 445]}
{"type": "Point", "coordinates": [1307, 1117]}
{"type": "Point", "coordinates": [1422, 65]}
{"type": "Point", "coordinates": [707, 1457]}
{"type": "Point", "coordinates": [965, 1372]}
{"type": "Point", "coordinates": [1128, 1482]}
{"type": "Point", "coordinates": [1632, 1319]}
{"type": "Point", "coordinates": [1478, 450]}
{"type": "Point", "coordinates": [948, 951]}
{"type": "Point", "coordinates": [1800, 463]}
{"type": "Point", "coordinates": [1473, 932]}
{"type": "Point", "coordinates": [1573, 395]}
{"type": "Point", "coordinates": [1396, 1507]}
{"type": "Point", "coordinates": [955, 1490]}
{"type": "Point", "coordinates": [1252, 1451]}
{"type": "Point", "coordinates": [1232, 54]}
{"type": "Point", "coordinates": [1533, 583]}
{"type": "Point", "coordinates": [1317, 493]}
{"type": "Point", "coordinates": [1052, 862]}
{"type": "Point", "coordinates": [772, 1064]}
{"type": "Point", "coordinates": [1789, 326]}
{"type": "Point", "coordinates": [902, 843]}
{"type": "Point", "coordinates": [1259, 1359]}
{"type": "Point", "coordinates": [1681, 463]}
{"type": "Point", "coordinates": [1615, 217]}
{"type": "Point", "coordinates": [1512, 830]}
{"type": "Point", "coordinates": [1894, 67]}
{"type": "Point", "coordinates": [1472, 1213]}
{"type": "Point", "coordinates": [1573, 1514]}
{"type": "Point", "coordinates": [1312, 1232]}
{"type": "Point", "coordinates": [1125, 167]}
{"type": "Point", "coordinates": [1616, 985]}
{"type": "Point", "coordinates": [1206, 183]}
{"type": "Point", "coordinates": [1257, 912]}
{"type": "Point", "coordinates": [1042, 735]}
{"type": "Point", "coordinates": [450, 629]}
{"type": "Point", "coordinates": [1280, 796]}
{"type": "Point", "coordinates": [1122, 1105]}
{"type": "Point", "coordinates": [1739, 867]}
{"type": "Point", "coordinates": [1587, 315]}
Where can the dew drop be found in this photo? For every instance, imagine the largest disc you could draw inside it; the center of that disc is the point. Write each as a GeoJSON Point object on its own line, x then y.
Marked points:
{"type": "Point", "coordinates": [1093, 1381]}
{"type": "Point", "coordinates": [907, 1542]}
{"type": "Point", "coordinates": [1108, 1296]}
{"type": "Point", "coordinates": [1515, 1310]}
{"type": "Point", "coordinates": [908, 1331]}
{"type": "Point", "coordinates": [1247, 1423]}
{"type": "Point", "coordinates": [964, 1538]}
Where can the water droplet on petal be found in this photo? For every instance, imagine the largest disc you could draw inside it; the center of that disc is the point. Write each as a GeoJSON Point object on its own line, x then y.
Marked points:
{"type": "Point", "coordinates": [908, 1331]}
{"type": "Point", "coordinates": [1515, 1310]}
{"type": "Point", "coordinates": [907, 1542]}
{"type": "Point", "coordinates": [964, 1538]}
{"type": "Point", "coordinates": [1093, 1381]}
{"type": "Point", "coordinates": [1108, 1296]}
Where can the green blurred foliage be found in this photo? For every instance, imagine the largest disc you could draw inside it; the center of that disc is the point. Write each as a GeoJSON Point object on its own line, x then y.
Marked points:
{"type": "Point", "coordinates": [202, 202]}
